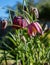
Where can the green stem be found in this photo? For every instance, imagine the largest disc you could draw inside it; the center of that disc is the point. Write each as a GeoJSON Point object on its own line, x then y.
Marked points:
{"type": "Point", "coordinates": [5, 58]}
{"type": "Point", "coordinates": [10, 16]}
{"type": "Point", "coordinates": [23, 4]}
{"type": "Point", "coordinates": [23, 58]}
{"type": "Point", "coordinates": [28, 61]}
{"type": "Point", "coordinates": [16, 58]}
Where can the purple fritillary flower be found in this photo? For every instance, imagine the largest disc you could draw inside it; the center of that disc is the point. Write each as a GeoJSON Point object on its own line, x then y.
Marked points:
{"type": "Point", "coordinates": [19, 22]}
{"type": "Point", "coordinates": [34, 28]}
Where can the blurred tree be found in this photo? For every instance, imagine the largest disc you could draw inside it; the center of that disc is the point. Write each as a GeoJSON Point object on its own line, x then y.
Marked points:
{"type": "Point", "coordinates": [45, 12]}
{"type": "Point", "coordinates": [44, 9]}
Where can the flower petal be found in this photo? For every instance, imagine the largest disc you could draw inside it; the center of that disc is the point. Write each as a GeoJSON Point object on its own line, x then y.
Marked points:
{"type": "Point", "coordinates": [39, 27]}
{"type": "Point", "coordinates": [36, 26]}
{"type": "Point", "coordinates": [25, 23]}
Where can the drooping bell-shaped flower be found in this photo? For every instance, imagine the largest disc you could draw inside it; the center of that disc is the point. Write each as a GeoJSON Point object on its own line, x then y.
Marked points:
{"type": "Point", "coordinates": [34, 28]}
{"type": "Point", "coordinates": [4, 24]}
{"type": "Point", "coordinates": [19, 22]}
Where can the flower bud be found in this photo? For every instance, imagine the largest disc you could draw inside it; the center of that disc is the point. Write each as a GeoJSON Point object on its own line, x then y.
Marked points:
{"type": "Point", "coordinates": [23, 38]}
{"type": "Point", "coordinates": [35, 11]}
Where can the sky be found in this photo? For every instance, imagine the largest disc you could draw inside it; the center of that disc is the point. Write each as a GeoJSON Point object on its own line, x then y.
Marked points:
{"type": "Point", "coordinates": [4, 3]}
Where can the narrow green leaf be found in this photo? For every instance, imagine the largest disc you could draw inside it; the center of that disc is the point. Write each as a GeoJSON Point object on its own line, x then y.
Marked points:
{"type": "Point", "coordinates": [12, 40]}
